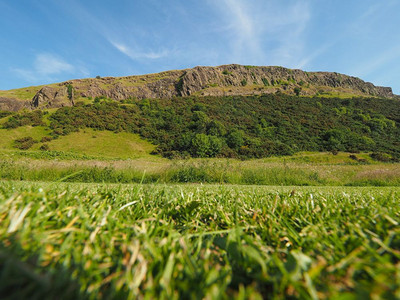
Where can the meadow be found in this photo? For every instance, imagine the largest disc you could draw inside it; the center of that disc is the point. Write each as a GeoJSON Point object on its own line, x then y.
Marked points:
{"type": "Point", "coordinates": [304, 169]}
{"type": "Point", "coordinates": [101, 211]}
{"type": "Point", "coordinates": [91, 241]}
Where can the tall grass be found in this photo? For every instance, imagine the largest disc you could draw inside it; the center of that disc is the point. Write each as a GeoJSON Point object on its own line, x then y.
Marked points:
{"type": "Point", "coordinates": [197, 241]}
{"type": "Point", "coordinates": [204, 171]}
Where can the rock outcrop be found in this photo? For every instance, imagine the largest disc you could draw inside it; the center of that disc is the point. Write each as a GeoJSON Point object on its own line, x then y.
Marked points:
{"type": "Point", "coordinates": [226, 80]}
{"type": "Point", "coordinates": [49, 97]}
{"type": "Point", "coordinates": [272, 79]}
{"type": "Point", "coordinates": [12, 104]}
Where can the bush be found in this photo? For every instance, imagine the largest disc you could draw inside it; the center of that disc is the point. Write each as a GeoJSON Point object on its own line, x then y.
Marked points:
{"type": "Point", "coordinates": [44, 147]}
{"type": "Point", "coordinates": [379, 156]}
{"type": "Point", "coordinates": [24, 143]}
{"type": "Point", "coordinates": [34, 118]}
{"type": "Point", "coordinates": [5, 113]}
{"type": "Point", "coordinates": [353, 157]}
{"type": "Point", "coordinates": [235, 139]}
{"type": "Point", "coordinates": [46, 139]}
{"type": "Point", "coordinates": [70, 91]}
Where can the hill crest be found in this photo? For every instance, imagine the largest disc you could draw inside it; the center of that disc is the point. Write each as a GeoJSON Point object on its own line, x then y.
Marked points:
{"type": "Point", "coordinates": [224, 80]}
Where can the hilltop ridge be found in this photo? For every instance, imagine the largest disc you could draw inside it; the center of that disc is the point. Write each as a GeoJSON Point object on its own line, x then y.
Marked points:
{"type": "Point", "coordinates": [225, 80]}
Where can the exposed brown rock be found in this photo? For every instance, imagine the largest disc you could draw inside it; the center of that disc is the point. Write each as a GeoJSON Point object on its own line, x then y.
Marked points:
{"type": "Point", "coordinates": [200, 78]}
{"type": "Point", "coordinates": [48, 97]}
{"type": "Point", "coordinates": [11, 104]}
{"type": "Point", "coordinates": [209, 81]}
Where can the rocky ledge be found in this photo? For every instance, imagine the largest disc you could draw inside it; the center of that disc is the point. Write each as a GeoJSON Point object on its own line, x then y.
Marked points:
{"type": "Point", "coordinates": [226, 80]}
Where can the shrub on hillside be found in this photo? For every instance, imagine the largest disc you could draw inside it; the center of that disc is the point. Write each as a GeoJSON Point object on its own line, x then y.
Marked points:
{"type": "Point", "coordinates": [206, 145]}
{"type": "Point", "coordinates": [24, 143]}
{"type": "Point", "coordinates": [5, 113]}
{"type": "Point", "coordinates": [46, 139]}
{"type": "Point", "coordinates": [44, 147]}
{"type": "Point", "coordinates": [34, 118]}
{"type": "Point", "coordinates": [379, 156]}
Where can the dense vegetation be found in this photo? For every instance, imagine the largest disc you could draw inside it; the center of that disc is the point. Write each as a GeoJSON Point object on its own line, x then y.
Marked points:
{"type": "Point", "coordinates": [198, 242]}
{"type": "Point", "coordinates": [33, 118]}
{"type": "Point", "coordinates": [244, 127]}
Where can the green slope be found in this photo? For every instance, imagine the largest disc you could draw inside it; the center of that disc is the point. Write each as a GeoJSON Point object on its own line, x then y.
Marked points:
{"type": "Point", "coordinates": [103, 143]}
{"type": "Point", "coordinates": [86, 142]}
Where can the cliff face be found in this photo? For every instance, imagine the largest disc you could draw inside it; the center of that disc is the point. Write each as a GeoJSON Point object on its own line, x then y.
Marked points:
{"type": "Point", "coordinates": [257, 80]}
{"type": "Point", "coordinates": [207, 81]}
{"type": "Point", "coordinates": [48, 97]}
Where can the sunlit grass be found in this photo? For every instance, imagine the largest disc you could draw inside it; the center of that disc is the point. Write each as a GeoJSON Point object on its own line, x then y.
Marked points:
{"type": "Point", "coordinates": [129, 241]}
{"type": "Point", "coordinates": [56, 165]}
{"type": "Point", "coordinates": [103, 144]}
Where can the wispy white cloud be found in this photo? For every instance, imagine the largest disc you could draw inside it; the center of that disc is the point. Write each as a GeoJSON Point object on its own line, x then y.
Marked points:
{"type": "Point", "coordinates": [46, 66]}
{"type": "Point", "coordinates": [49, 64]}
{"type": "Point", "coordinates": [308, 59]}
{"type": "Point", "coordinates": [264, 32]}
{"type": "Point", "coordinates": [241, 29]}
{"type": "Point", "coordinates": [379, 61]}
{"type": "Point", "coordinates": [123, 35]}
{"type": "Point", "coordinates": [287, 28]}
{"type": "Point", "coordinates": [136, 54]}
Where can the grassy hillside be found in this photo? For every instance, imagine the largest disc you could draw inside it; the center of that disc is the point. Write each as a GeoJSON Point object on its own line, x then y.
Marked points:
{"type": "Point", "coordinates": [100, 144]}
{"type": "Point", "coordinates": [198, 242]}
{"type": "Point", "coordinates": [103, 144]}
{"type": "Point", "coordinates": [24, 94]}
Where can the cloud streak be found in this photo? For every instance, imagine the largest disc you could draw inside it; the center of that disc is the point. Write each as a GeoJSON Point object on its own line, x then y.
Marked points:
{"type": "Point", "coordinates": [243, 37]}
{"type": "Point", "coordinates": [378, 61]}
{"type": "Point", "coordinates": [122, 35]}
{"type": "Point", "coordinates": [137, 54]}
{"type": "Point", "coordinates": [260, 32]}
{"type": "Point", "coordinates": [46, 66]}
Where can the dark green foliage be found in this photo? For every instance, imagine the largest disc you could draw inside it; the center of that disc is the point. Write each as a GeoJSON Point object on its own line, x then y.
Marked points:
{"type": "Point", "coordinates": [203, 145]}
{"type": "Point", "coordinates": [34, 118]}
{"type": "Point", "coordinates": [44, 147]}
{"type": "Point", "coordinates": [379, 156]}
{"type": "Point", "coordinates": [243, 82]}
{"type": "Point", "coordinates": [24, 143]}
{"type": "Point", "coordinates": [265, 81]}
{"type": "Point", "coordinates": [246, 127]}
{"type": "Point", "coordinates": [4, 114]}
{"type": "Point", "coordinates": [46, 139]}
{"type": "Point", "coordinates": [70, 91]}
{"type": "Point", "coordinates": [101, 116]}
{"type": "Point", "coordinates": [99, 98]}
{"type": "Point", "coordinates": [216, 128]}
{"type": "Point", "coordinates": [235, 139]}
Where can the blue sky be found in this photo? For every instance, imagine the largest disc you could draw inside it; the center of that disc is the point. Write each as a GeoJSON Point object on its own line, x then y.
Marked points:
{"type": "Point", "coordinates": [45, 41]}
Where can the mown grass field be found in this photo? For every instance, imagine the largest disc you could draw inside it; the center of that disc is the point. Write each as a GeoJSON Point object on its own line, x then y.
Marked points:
{"type": "Point", "coordinates": [91, 241]}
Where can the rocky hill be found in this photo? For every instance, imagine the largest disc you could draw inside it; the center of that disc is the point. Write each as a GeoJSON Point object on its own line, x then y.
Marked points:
{"type": "Point", "coordinates": [226, 80]}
